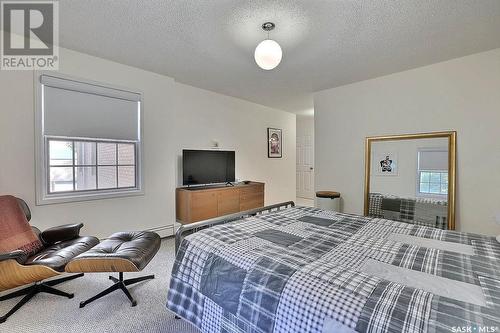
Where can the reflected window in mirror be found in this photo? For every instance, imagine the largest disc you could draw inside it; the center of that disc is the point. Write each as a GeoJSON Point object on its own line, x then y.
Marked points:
{"type": "Point", "coordinates": [432, 173]}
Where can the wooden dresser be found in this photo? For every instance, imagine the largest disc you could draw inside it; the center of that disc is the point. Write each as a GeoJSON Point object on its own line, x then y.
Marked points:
{"type": "Point", "coordinates": [202, 203]}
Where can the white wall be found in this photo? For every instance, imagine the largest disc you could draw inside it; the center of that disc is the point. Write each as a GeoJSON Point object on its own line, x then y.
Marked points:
{"type": "Point", "coordinates": [175, 116]}
{"type": "Point", "coordinates": [461, 94]}
{"type": "Point", "coordinates": [202, 116]}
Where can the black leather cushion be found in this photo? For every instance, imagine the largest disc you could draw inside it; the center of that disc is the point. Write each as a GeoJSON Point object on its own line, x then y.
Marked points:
{"type": "Point", "coordinates": [36, 231]}
{"type": "Point", "coordinates": [58, 255]}
{"type": "Point", "coordinates": [25, 208]}
{"type": "Point", "coordinates": [139, 247]}
{"type": "Point", "coordinates": [60, 233]}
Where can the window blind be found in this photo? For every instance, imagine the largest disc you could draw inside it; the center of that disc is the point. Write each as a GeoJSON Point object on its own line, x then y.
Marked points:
{"type": "Point", "coordinates": [433, 160]}
{"type": "Point", "coordinates": [78, 109]}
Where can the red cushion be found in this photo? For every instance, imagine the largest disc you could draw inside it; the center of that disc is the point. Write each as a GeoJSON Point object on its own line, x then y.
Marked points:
{"type": "Point", "coordinates": [15, 231]}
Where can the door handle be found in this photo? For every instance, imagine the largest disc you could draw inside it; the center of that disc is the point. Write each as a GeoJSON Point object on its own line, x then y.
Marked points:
{"type": "Point", "coordinates": [311, 168]}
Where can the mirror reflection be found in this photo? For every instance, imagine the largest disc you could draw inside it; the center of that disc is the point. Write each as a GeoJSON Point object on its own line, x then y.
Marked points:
{"type": "Point", "coordinates": [409, 180]}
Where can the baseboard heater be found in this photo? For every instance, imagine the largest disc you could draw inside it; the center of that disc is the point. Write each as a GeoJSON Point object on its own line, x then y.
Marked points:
{"type": "Point", "coordinates": [164, 231]}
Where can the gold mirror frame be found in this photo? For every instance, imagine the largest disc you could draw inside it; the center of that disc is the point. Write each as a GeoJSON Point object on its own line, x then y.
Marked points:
{"type": "Point", "coordinates": [452, 153]}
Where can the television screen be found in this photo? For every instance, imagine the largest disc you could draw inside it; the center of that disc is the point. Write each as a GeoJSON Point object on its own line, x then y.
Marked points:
{"type": "Point", "coordinates": [207, 166]}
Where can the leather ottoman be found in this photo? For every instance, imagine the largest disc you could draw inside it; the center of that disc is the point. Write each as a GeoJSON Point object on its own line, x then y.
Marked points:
{"type": "Point", "coordinates": [121, 252]}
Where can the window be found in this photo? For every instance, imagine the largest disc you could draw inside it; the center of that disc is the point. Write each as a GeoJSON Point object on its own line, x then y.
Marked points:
{"type": "Point", "coordinates": [88, 141]}
{"type": "Point", "coordinates": [432, 182]}
{"type": "Point", "coordinates": [432, 173]}
{"type": "Point", "coordinates": [90, 165]}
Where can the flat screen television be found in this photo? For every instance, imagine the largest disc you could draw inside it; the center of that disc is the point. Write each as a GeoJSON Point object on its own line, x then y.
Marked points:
{"type": "Point", "coordinates": [207, 166]}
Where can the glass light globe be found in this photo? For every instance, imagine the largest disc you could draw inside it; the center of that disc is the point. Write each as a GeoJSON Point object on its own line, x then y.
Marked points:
{"type": "Point", "coordinates": [268, 54]}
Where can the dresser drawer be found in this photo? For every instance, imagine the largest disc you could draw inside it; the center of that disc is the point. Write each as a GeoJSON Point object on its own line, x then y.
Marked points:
{"type": "Point", "coordinates": [251, 199]}
{"type": "Point", "coordinates": [251, 204]}
{"type": "Point", "coordinates": [228, 202]}
{"type": "Point", "coordinates": [203, 205]}
{"type": "Point", "coordinates": [251, 196]}
{"type": "Point", "coordinates": [259, 188]}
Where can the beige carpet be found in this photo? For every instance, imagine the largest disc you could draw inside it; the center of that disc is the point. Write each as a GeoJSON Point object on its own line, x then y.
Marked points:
{"type": "Point", "coordinates": [113, 313]}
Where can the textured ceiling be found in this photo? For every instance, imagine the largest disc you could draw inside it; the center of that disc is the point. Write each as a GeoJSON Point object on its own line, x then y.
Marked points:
{"type": "Point", "coordinates": [210, 44]}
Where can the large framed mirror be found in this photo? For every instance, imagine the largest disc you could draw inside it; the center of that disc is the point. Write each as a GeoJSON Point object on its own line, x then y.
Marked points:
{"type": "Point", "coordinates": [411, 178]}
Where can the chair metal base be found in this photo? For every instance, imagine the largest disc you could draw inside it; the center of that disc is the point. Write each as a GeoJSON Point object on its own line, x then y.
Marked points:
{"type": "Point", "coordinates": [31, 291]}
{"type": "Point", "coordinates": [119, 283]}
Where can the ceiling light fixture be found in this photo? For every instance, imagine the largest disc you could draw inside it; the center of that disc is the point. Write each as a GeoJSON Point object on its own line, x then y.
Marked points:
{"type": "Point", "coordinates": [268, 53]}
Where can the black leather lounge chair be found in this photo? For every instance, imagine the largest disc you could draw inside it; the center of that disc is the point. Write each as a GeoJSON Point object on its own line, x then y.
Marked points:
{"type": "Point", "coordinates": [59, 246]}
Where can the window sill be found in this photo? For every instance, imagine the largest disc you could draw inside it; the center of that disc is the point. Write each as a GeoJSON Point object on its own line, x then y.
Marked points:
{"type": "Point", "coordinates": [49, 199]}
{"type": "Point", "coordinates": [437, 197]}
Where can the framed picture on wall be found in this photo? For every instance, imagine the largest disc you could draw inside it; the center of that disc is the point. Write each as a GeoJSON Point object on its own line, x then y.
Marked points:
{"type": "Point", "coordinates": [274, 143]}
{"type": "Point", "coordinates": [386, 164]}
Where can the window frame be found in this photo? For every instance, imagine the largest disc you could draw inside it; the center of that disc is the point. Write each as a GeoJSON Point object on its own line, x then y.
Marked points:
{"type": "Point", "coordinates": [42, 158]}
{"type": "Point", "coordinates": [419, 171]}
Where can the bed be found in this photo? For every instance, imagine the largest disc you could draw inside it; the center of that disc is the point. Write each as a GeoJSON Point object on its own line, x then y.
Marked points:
{"type": "Point", "coordinates": [300, 269]}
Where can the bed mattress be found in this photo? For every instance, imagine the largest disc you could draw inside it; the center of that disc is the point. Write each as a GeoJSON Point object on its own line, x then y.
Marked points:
{"type": "Point", "coordinates": [305, 270]}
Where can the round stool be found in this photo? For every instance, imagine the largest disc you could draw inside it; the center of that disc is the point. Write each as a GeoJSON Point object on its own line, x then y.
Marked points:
{"type": "Point", "coordinates": [326, 200]}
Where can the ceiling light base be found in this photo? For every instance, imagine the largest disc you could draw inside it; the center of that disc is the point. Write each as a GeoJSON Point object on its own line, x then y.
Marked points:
{"type": "Point", "coordinates": [268, 26]}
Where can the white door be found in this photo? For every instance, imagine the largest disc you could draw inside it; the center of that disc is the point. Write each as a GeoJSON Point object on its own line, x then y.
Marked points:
{"type": "Point", "coordinates": [305, 166]}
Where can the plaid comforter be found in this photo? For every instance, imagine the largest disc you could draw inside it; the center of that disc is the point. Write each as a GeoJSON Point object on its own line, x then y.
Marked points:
{"type": "Point", "coordinates": [301, 270]}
